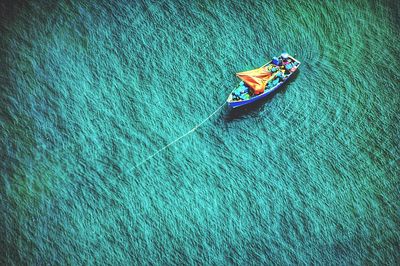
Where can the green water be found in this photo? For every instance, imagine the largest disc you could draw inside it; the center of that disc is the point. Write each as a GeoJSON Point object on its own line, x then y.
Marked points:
{"type": "Point", "coordinates": [91, 89]}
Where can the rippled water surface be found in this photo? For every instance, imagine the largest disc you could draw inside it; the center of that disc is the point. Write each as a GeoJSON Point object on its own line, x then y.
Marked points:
{"type": "Point", "coordinates": [91, 89]}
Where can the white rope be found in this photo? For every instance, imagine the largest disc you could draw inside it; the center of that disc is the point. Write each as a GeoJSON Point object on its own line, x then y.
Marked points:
{"type": "Point", "coordinates": [176, 140]}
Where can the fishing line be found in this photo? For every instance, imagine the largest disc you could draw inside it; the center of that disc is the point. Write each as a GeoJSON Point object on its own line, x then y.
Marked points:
{"type": "Point", "coordinates": [179, 138]}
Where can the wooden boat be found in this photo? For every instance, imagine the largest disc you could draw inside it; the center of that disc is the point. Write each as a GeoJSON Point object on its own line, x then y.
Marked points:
{"type": "Point", "coordinates": [261, 82]}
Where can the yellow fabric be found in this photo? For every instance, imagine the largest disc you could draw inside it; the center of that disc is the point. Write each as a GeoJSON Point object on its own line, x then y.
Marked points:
{"type": "Point", "coordinates": [256, 79]}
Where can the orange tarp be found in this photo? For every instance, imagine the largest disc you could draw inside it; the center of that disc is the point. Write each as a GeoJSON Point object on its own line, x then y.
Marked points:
{"type": "Point", "coordinates": [256, 79]}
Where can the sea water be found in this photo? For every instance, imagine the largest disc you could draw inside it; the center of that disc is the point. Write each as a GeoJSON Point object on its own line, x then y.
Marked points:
{"type": "Point", "coordinates": [91, 89]}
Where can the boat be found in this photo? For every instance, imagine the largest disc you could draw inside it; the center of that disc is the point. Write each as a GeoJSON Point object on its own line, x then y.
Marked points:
{"type": "Point", "coordinates": [261, 82]}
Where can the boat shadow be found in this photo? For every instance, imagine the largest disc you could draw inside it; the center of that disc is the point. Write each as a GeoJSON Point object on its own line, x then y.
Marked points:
{"type": "Point", "coordinates": [255, 107]}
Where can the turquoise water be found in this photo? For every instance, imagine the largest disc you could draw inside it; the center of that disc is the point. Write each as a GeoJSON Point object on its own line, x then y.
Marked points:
{"type": "Point", "coordinates": [90, 90]}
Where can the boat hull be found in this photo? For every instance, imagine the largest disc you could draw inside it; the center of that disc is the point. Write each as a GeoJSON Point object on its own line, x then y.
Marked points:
{"type": "Point", "coordinates": [235, 104]}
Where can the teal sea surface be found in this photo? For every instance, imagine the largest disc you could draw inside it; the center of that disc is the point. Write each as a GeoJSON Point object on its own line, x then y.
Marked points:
{"type": "Point", "coordinates": [90, 89]}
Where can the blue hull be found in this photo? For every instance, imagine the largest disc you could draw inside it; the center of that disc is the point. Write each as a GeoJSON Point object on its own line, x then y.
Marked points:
{"type": "Point", "coordinates": [256, 98]}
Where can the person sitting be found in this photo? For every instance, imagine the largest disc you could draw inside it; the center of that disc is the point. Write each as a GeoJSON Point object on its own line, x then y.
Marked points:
{"type": "Point", "coordinates": [276, 61]}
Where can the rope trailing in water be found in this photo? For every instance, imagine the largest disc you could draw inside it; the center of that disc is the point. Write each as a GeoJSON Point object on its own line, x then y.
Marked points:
{"type": "Point", "coordinates": [176, 140]}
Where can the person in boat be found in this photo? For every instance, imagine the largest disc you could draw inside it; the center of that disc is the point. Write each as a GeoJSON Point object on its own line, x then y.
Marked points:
{"type": "Point", "coordinates": [285, 59]}
{"type": "Point", "coordinates": [276, 61]}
